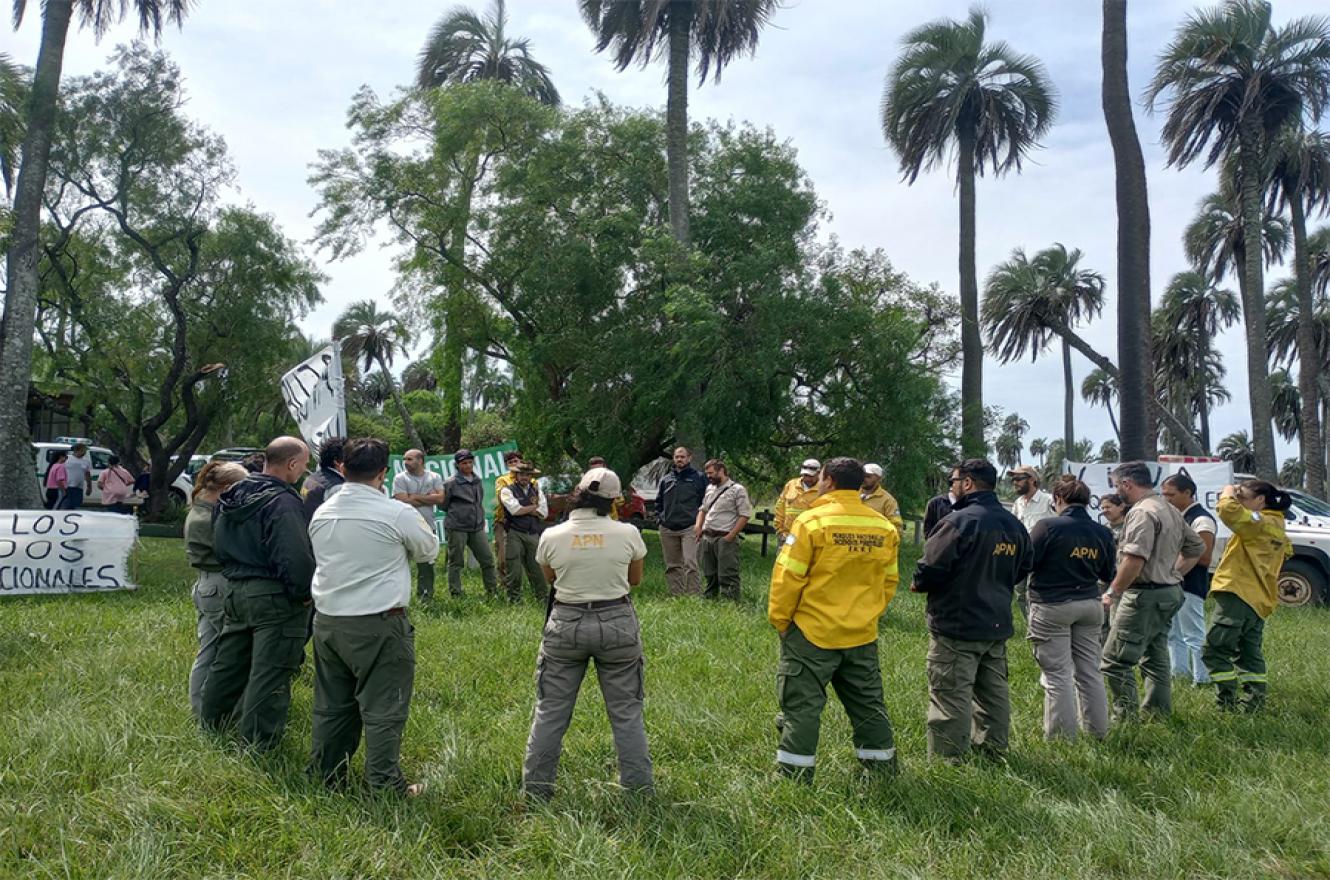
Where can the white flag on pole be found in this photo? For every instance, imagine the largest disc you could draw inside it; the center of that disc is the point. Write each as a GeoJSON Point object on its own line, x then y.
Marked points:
{"type": "Point", "coordinates": [316, 396]}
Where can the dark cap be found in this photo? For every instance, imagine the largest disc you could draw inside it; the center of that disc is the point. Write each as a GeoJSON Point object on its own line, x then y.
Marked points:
{"type": "Point", "coordinates": [526, 468]}
{"type": "Point", "coordinates": [462, 455]}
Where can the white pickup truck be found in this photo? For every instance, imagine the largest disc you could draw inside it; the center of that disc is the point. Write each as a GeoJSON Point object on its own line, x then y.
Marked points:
{"type": "Point", "coordinates": [1305, 579]}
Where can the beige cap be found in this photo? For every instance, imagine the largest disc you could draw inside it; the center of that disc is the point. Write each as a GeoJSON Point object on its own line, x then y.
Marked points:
{"type": "Point", "coordinates": [810, 466]}
{"type": "Point", "coordinates": [601, 482]}
{"type": "Point", "coordinates": [1025, 469]}
{"type": "Point", "coordinates": [874, 469]}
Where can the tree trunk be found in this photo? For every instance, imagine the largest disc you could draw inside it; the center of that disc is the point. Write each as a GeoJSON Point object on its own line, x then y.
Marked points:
{"type": "Point", "coordinates": [454, 349]}
{"type": "Point", "coordinates": [1068, 400]}
{"type": "Point", "coordinates": [408, 425]}
{"type": "Point", "coordinates": [972, 347]}
{"type": "Point", "coordinates": [1253, 305]}
{"type": "Point", "coordinates": [1113, 420]}
{"type": "Point", "coordinates": [1310, 433]}
{"type": "Point", "coordinates": [18, 489]}
{"type": "Point", "coordinates": [676, 119]}
{"type": "Point", "coordinates": [1136, 385]}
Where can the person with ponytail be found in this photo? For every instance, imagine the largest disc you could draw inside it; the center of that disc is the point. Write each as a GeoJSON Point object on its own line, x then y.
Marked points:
{"type": "Point", "coordinates": [1245, 590]}
{"type": "Point", "coordinates": [208, 484]}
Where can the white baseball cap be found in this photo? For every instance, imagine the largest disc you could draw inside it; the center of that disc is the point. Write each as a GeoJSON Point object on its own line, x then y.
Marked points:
{"type": "Point", "coordinates": [810, 466]}
{"type": "Point", "coordinates": [874, 469]}
{"type": "Point", "coordinates": [601, 482]}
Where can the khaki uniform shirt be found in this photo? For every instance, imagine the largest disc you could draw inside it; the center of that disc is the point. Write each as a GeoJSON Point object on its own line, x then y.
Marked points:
{"type": "Point", "coordinates": [724, 504]}
{"type": "Point", "coordinates": [590, 555]}
{"type": "Point", "coordinates": [1156, 532]}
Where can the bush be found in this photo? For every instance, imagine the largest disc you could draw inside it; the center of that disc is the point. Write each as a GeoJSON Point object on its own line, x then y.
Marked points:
{"type": "Point", "coordinates": [422, 402]}
{"type": "Point", "coordinates": [386, 429]}
{"type": "Point", "coordinates": [484, 429]}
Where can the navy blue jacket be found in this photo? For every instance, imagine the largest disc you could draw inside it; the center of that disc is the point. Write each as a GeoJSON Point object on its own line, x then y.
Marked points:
{"type": "Point", "coordinates": [971, 564]}
{"type": "Point", "coordinates": [1072, 554]}
{"type": "Point", "coordinates": [679, 497]}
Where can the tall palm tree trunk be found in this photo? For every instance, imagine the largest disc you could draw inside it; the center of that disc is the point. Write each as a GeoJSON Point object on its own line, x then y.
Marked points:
{"type": "Point", "coordinates": [1309, 435]}
{"type": "Point", "coordinates": [1136, 385]}
{"type": "Point", "coordinates": [411, 434]}
{"type": "Point", "coordinates": [1202, 392]}
{"type": "Point", "coordinates": [1113, 420]}
{"type": "Point", "coordinates": [454, 349]}
{"type": "Point", "coordinates": [676, 119]}
{"type": "Point", "coordinates": [1253, 306]}
{"type": "Point", "coordinates": [18, 489]}
{"type": "Point", "coordinates": [1068, 399]}
{"type": "Point", "coordinates": [972, 348]}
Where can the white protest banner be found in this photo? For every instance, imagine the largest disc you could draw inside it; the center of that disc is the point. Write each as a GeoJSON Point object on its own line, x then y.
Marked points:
{"type": "Point", "coordinates": [65, 551]}
{"type": "Point", "coordinates": [1210, 478]}
{"type": "Point", "coordinates": [315, 394]}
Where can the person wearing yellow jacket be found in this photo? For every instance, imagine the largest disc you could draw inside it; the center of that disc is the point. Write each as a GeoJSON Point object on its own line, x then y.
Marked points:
{"type": "Point", "coordinates": [797, 496]}
{"type": "Point", "coordinates": [1245, 591]}
{"type": "Point", "coordinates": [875, 496]}
{"type": "Point", "coordinates": [512, 458]}
{"type": "Point", "coordinates": [835, 574]}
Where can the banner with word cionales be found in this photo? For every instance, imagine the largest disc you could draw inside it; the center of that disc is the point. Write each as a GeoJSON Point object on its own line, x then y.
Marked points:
{"type": "Point", "coordinates": [65, 551]}
{"type": "Point", "coordinates": [489, 467]}
{"type": "Point", "coordinates": [1210, 477]}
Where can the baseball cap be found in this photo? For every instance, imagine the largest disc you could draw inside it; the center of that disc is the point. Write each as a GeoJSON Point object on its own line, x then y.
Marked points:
{"type": "Point", "coordinates": [810, 466]}
{"type": "Point", "coordinates": [874, 469]}
{"type": "Point", "coordinates": [462, 455]}
{"type": "Point", "coordinates": [1024, 470]}
{"type": "Point", "coordinates": [601, 482]}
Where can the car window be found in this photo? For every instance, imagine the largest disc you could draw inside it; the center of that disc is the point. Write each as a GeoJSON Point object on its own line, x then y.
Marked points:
{"type": "Point", "coordinates": [1307, 504]}
{"type": "Point", "coordinates": [100, 460]}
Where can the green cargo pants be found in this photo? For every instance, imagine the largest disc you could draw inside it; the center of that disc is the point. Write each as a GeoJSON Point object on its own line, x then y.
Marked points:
{"type": "Point", "coordinates": [719, 561]}
{"type": "Point", "coordinates": [520, 550]}
{"type": "Point", "coordinates": [1139, 636]}
{"type": "Point", "coordinates": [1233, 652]}
{"type": "Point", "coordinates": [801, 692]}
{"type": "Point", "coordinates": [364, 669]}
{"type": "Point", "coordinates": [259, 651]}
{"type": "Point", "coordinates": [968, 700]}
{"type": "Point", "coordinates": [458, 543]}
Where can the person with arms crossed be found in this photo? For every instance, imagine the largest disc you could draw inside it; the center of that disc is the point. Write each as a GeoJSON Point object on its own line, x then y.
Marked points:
{"type": "Point", "coordinates": [364, 645]}
{"type": "Point", "coordinates": [796, 496]}
{"type": "Point", "coordinates": [511, 459]}
{"type": "Point", "coordinates": [525, 508]}
{"type": "Point", "coordinates": [969, 570]}
{"type": "Point", "coordinates": [677, 500]}
{"type": "Point", "coordinates": [835, 575]}
{"type": "Point", "coordinates": [422, 489]}
{"type": "Point", "coordinates": [1156, 550]}
{"type": "Point", "coordinates": [593, 563]}
{"type": "Point", "coordinates": [78, 473]}
{"type": "Point", "coordinates": [464, 524]}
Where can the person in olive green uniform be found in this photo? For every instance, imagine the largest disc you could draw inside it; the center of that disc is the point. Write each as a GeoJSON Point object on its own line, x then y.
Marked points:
{"type": "Point", "coordinates": [1245, 590]}
{"type": "Point", "coordinates": [1156, 549]}
{"type": "Point", "coordinates": [212, 480]}
{"type": "Point", "coordinates": [261, 539]}
{"type": "Point", "coordinates": [364, 645]}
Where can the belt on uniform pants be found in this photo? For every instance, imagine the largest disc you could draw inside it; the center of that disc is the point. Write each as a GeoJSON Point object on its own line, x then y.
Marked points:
{"type": "Point", "coordinates": [594, 606]}
{"type": "Point", "coordinates": [394, 612]}
{"type": "Point", "coordinates": [1144, 586]}
{"type": "Point", "coordinates": [715, 533]}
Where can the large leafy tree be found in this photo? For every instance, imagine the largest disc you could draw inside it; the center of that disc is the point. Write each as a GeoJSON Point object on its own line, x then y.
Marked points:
{"type": "Point", "coordinates": [1133, 244]}
{"type": "Point", "coordinates": [17, 488]}
{"type": "Point", "coordinates": [1300, 182]}
{"type": "Point", "coordinates": [1024, 293]}
{"type": "Point", "coordinates": [376, 336]}
{"type": "Point", "coordinates": [953, 92]}
{"type": "Point", "coordinates": [466, 47]}
{"type": "Point", "coordinates": [1231, 81]}
{"type": "Point", "coordinates": [1191, 314]}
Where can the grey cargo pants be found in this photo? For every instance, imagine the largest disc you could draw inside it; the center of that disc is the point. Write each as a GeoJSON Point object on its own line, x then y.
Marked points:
{"type": "Point", "coordinates": [573, 637]}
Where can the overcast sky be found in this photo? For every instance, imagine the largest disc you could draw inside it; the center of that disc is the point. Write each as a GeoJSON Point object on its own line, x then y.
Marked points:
{"type": "Point", "coordinates": [275, 80]}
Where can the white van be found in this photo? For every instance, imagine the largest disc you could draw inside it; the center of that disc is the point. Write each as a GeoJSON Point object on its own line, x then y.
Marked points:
{"type": "Point", "coordinates": [46, 453]}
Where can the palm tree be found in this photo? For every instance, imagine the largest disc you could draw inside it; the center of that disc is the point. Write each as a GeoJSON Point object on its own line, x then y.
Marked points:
{"type": "Point", "coordinates": [464, 47]}
{"type": "Point", "coordinates": [1133, 205]}
{"type": "Point", "coordinates": [1233, 81]}
{"type": "Point", "coordinates": [1039, 447]}
{"type": "Point", "coordinates": [13, 95]}
{"type": "Point", "coordinates": [1008, 449]}
{"type": "Point", "coordinates": [1082, 451]}
{"type": "Point", "coordinates": [419, 376]}
{"type": "Point", "coordinates": [1213, 241]}
{"type": "Point", "coordinates": [375, 337]}
{"type": "Point", "coordinates": [1286, 404]}
{"type": "Point", "coordinates": [1018, 428]}
{"type": "Point", "coordinates": [1193, 312]}
{"type": "Point", "coordinates": [1284, 325]}
{"type": "Point", "coordinates": [1293, 472]}
{"type": "Point", "coordinates": [1108, 451]}
{"type": "Point", "coordinates": [1300, 182]}
{"type": "Point", "coordinates": [1237, 448]}
{"type": "Point", "coordinates": [951, 90]}
{"type": "Point", "coordinates": [1101, 389]}
{"type": "Point", "coordinates": [1023, 293]}
{"type": "Point", "coordinates": [714, 32]}
{"type": "Point", "coordinates": [17, 488]}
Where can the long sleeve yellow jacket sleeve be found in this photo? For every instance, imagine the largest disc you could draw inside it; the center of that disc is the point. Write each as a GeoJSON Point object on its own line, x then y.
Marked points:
{"type": "Point", "coordinates": [1255, 553]}
{"type": "Point", "coordinates": [836, 572]}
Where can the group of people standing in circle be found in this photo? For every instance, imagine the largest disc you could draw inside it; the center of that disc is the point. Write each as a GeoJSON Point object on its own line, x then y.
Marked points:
{"type": "Point", "coordinates": [271, 575]}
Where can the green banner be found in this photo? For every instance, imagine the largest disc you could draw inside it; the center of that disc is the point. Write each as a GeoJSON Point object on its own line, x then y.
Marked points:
{"type": "Point", "coordinates": [489, 467]}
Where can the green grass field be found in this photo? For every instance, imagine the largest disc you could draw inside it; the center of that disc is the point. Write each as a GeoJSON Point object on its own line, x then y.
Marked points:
{"type": "Point", "coordinates": [102, 773]}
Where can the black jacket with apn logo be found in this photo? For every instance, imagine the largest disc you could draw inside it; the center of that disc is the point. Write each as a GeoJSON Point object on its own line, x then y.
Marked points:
{"type": "Point", "coordinates": [1072, 555]}
{"type": "Point", "coordinates": [971, 564]}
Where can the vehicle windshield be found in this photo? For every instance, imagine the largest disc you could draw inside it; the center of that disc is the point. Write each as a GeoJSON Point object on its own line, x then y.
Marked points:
{"type": "Point", "coordinates": [1309, 504]}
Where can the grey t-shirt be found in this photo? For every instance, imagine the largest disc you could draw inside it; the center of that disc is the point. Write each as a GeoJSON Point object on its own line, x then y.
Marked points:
{"type": "Point", "coordinates": [78, 470]}
{"type": "Point", "coordinates": [426, 484]}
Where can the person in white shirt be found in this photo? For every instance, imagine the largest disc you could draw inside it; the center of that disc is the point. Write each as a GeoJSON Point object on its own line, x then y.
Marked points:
{"type": "Point", "coordinates": [526, 509]}
{"type": "Point", "coordinates": [422, 489]}
{"type": "Point", "coordinates": [593, 562]}
{"type": "Point", "coordinates": [364, 645]}
{"type": "Point", "coordinates": [1032, 504]}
